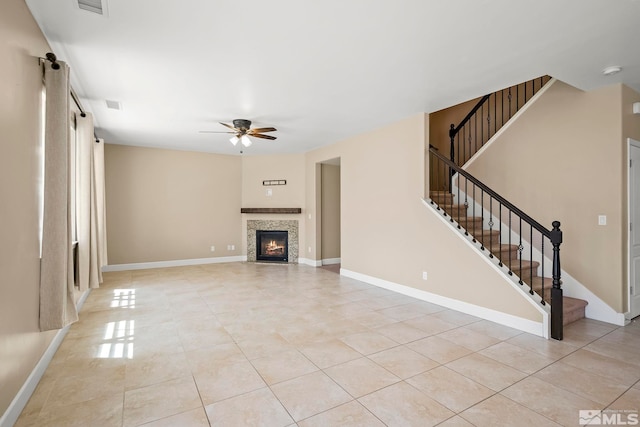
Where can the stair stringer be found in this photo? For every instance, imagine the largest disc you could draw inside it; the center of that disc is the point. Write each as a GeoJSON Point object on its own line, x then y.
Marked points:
{"type": "Point", "coordinates": [597, 309]}
{"type": "Point", "coordinates": [542, 329]}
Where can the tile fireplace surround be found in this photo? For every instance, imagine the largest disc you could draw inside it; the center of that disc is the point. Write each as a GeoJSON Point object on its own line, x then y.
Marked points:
{"type": "Point", "coordinates": [281, 225]}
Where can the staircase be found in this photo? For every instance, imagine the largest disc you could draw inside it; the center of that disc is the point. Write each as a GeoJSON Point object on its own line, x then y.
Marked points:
{"type": "Point", "coordinates": [508, 255]}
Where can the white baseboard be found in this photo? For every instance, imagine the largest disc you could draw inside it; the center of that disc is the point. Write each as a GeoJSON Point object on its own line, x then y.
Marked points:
{"type": "Point", "coordinates": [525, 325]}
{"type": "Point", "coordinates": [21, 399]}
{"type": "Point", "coordinates": [311, 262]}
{"type": "Point", "coordinates": [330, 261]}
{"type": "Point", "coordinates": [174, 263]}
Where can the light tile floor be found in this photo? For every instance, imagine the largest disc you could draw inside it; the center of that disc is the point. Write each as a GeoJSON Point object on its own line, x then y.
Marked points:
{"type": "Point", "coordinates": [247, 344]}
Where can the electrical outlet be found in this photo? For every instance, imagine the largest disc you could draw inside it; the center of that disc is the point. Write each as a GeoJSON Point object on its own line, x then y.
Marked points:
{"type": "Point", "coordinates": [602, 220]}
{"type": "Point", "coordinates": [424, 275]}
{"type": "Point", "coordinates": [269, 192]}
{"type": "Point", "coordinates": [213, 248]}
{"type": "Point", "coordinates": [233, 247]}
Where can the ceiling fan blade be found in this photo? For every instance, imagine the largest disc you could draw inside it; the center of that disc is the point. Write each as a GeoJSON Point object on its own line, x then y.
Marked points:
{"type": "Point", "coordinates": [258, 135]}
{"type": "Point", "coordinates": [229, 126]}
{"type": "Point", "coordinates": [213, 131]}
{"type": "Point", "coordinates": [261, 130]}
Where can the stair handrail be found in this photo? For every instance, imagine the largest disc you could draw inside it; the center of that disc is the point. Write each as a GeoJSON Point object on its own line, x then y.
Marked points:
{"type": "Point", "coordinates": [541, 228]}
{"type": "Point", "coordinates": [511, 110]}
{"type": "Point", "coordinates": [554, 235]}
{"type": "Point", "coordinates": [453, 131]}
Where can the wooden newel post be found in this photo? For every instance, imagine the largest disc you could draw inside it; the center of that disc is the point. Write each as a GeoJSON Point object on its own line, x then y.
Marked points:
{"type": "Point", "coordinates": [556, 291]}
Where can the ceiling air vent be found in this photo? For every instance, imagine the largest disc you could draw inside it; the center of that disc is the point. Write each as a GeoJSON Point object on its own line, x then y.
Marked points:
{"type": "Point", "coordinates": [94, 6]}
{"type": "Point", "coordinates": [114, 105]}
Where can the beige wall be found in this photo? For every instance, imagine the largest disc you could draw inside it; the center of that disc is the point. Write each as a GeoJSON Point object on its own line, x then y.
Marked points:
{"type": "Point", "coordinates": [564, 160]}
{"type": "Point", "coordinates": [21, 343]}
{"type": "Point", "coordinates": [330, 211]}
{"type": "Point", "coordinates": [389, 234]}
{"type": "Point", "coordinates": [256, 169]}
{"type": "Point", "coordinates": [167, 205]}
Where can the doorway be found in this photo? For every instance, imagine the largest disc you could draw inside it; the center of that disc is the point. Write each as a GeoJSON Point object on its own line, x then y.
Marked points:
{"type": "Point", "coordinates": [634, 228]}
{"type": "Point", "coordinates": [330, 213]}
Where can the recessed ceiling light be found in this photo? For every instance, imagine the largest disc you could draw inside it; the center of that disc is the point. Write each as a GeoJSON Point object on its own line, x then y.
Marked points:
{"type": "Point", "coordinates": [610, 71]}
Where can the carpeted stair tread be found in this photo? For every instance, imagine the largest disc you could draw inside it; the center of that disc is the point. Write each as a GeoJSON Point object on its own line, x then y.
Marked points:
{"type": "Point", "coordinates": [502, 251]}
{"type": "Point", "coordinates": [441, 197]}
{"type": "Point", "coordinates": [572, 309]}
{"type": "Point", "coordinates": [486, 236]}
{"type": "Point", "coordinates": [539, 281]}
{"type": "Point", "coordinates": [524, 269]}
{"type": "Point", "coordinates": [475, 221]}
{"type": "Point", "coordinates": [523, 264]}
{"type": "Point", "coordinates": [455, 210]}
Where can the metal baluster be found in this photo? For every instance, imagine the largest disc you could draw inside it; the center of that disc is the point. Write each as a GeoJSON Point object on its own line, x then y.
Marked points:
{"type": "Point", "coordinates": [542, 276]}
{"type": "Point", "coordinates": [531, 258]}
{"type": "Point", "coordinates": [520, 249]}
{"type": "Point", "coordinates": [481, 216]}
{"type": "Point", "coordinates": [500, 235]}
{"type": "Point", "coordinates": [458, 191]}
{"type": "Point", "coordinates": [502, 107]}
{"type": "Point", "coordinates": [466, 204]}
{"type": "Point", "coordinates": [495, 116]}
{"type": "Point", "coordinates": [510, 258]}
{"type": "Point", "coordinates": [482, 122]}
{"type": "Point", "coordinates": [490, 226]}
{"type": "Point", "coordinates": [475, 132]}
{"type": "Point", "coordinates": [488, 121]}
{"type": "Point", "coordinates": [464, 146]}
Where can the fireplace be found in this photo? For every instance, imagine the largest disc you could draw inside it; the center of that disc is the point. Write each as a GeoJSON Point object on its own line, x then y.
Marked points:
{"type": "Point", "coordinates": [289, 225]}
{"type": "Point", "coordinates": [272, 245]}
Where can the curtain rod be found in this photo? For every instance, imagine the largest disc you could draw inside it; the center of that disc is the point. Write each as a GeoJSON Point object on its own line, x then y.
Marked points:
{"type": "Point", "coordinates": [82, 113]}
{"type": "Point", "coordinates": [51, 57]}
{"type": "Point", "coordinates": [77, 102]}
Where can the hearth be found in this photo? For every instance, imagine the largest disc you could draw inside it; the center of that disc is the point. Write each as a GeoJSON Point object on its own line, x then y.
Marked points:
{"type": "Point", "coordinates": [272, 246]}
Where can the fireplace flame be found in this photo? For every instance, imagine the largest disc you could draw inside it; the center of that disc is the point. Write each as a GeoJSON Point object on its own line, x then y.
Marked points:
{"type": "Point", "coordinates": [273, 245]}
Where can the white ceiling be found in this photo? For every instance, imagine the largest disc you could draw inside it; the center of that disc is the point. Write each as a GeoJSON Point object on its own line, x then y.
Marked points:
{"type": "Point", "coordinates": [322, 70]}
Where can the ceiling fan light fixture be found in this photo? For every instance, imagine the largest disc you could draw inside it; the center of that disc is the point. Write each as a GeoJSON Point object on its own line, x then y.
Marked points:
{"type": "Point", "coordinates": [234, 140]}
{"type": "Point", "coordinates": [610, 71]}
{"type": "Point", "coordinates": [245, 140]}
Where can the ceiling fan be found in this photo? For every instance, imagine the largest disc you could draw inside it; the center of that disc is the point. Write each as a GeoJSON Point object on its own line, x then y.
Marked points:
{"type": "Point", "coordinates": [242, 131]}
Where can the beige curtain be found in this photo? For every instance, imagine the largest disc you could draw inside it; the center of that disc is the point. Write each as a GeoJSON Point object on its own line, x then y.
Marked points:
{"type": "Point", "coordinates": [89, 204]}
{"type": "Point", "coordinates": [57, 306]}
{"type": "Point", "coordinates": [101, 209]}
